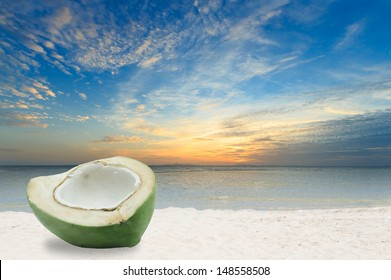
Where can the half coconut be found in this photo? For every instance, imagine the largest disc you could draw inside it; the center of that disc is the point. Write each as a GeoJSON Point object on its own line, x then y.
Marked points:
{"type": "Point", "coordinates": [100, 204]}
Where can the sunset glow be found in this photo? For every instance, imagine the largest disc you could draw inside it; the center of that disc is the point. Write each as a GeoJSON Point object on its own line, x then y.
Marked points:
{"type": "Point", "coordinates": [196, 82]}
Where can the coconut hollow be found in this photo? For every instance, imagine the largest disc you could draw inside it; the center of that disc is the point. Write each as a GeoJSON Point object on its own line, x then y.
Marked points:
{"type": "Point", "coordinates": [104, 203]}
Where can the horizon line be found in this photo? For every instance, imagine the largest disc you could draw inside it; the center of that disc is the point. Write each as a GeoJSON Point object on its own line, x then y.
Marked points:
{"type": "Point", "coordinates": [206, 165]}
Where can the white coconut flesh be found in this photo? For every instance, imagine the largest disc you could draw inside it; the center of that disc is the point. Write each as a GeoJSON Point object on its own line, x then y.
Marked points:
{"type": "Point", "coordinates": [97, 186]}
{"type": "Point", "coordinates": [97, 193]}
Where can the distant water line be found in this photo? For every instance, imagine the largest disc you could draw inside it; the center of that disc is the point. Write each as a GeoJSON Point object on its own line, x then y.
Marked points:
{"type": "Point", "coordinates": [236, 187]}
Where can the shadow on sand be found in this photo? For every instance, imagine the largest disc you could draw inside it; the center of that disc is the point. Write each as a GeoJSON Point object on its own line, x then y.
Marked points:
{"type": "Point", "coordinates": [60, 249]}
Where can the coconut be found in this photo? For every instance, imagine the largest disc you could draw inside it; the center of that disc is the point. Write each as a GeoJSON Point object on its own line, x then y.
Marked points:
{"type": "Point", "coordinates": [99, 204]}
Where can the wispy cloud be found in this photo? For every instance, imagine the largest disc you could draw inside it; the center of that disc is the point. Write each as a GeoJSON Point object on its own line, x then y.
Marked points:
{"type": "Point", "coordinates": [351, 33]}
{"type": "Point", "coordinates": [150, 61]}
{"type": "Point", "coordinates": [95, 41]}
{"type": "Point", "coordinates": [308, 12]}
{"type": "Point", "coordinates": [250, 25]}
{"type": "Point", "coordinates": [122, 139]}
{"type": "Point", "coordinates": [70, 118]}
{"type": "Point", "coordinates": [317, 142]}
{"type": "Point", "coordinates": [212, 78]}
{"type": "Point", "coordinates": [198, 81]}
{"type": "Point", "coordinates": [141, 125]}
{"type": "Point", "coordinates": [23, 120]}
{"type": "Point", "coordinates": [338, 111]}
{"type": "Point", "coordinates": [208, 90]}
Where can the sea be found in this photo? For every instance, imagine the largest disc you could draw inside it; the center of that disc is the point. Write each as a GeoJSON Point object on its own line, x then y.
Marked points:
{"type": "Point", "coordinates": [236, 187]}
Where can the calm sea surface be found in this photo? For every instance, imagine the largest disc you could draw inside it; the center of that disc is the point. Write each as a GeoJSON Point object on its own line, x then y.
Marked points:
{"type": "Point", "coordinates": [239, 187]}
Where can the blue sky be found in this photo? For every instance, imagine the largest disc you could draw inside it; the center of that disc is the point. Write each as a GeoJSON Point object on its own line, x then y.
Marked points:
{"type": "Point", "coordinates": [199, 82]}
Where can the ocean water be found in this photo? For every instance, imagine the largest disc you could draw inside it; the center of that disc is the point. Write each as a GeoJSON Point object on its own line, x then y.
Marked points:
{"type": "Point", "coordinates": [237, 187]}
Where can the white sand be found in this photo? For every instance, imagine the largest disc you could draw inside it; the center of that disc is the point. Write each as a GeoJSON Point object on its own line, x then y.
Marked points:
{"type": "Point", "coordinates": [176, 233]}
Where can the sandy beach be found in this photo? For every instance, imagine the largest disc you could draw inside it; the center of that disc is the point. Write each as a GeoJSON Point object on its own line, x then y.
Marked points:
{"type": "Point", "coordinates": [186, 233]}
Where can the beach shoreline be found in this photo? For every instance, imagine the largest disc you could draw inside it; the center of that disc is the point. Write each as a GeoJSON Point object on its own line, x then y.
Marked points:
{"type": "Point", "coordinates": [187, 233]}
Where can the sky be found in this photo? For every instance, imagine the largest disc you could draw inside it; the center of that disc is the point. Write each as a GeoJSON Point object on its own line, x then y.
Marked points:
{"type": "Point", "coordinates": [282, 82]}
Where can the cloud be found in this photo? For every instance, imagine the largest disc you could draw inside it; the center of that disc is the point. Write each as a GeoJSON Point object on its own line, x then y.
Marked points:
{"type": "Point", "coordinates": [307, 12]}
{"type": "Point", "coordinates": [62, 17]}
{"type": "Point", "coordinates": [384, 93]}
{"type": "Point", "coordinates": [235, 134]}
{"type": "Point", "coordinates": [351, 33]}
{"type": "Point", "coordinates": [71, 118]}
{"type": "Point", "coordinates": [131, 100]}
{"type": "Point", "coordinates": [258, 67]}
{"type": "Point", "coordinates": [150, 61]}
{"type": "Point", "coordinates": [30, 89]}
{"type": "Point", "coordinates": [358, 126]}
{"type": "Point", "coordinates": [353, 136]}
{"type": "Point", "coordinates": [342, 111]}
{"type": "Point", "coordinates": [35, 47]}
{"type": "Point", "coordinates": [49, 44]}
{"type": "Point", "coordinates": [22, 120]}
{"type": "Point", "coordinates": [144, 46]}
{"type": "Point", "coordinates": [82, 118]}
{"type": "Point", "coordinates": [122, 139]}
{"type": "Point", "coordinates": [140, 108]}
{"type": "Point", "coordinates": [44, 88]}
{"type": "Point", "coordinates": [20, 104]}
{"type": "Point", "coordinates": [92, 40]}
{"type": "Point", "coordinates": [206, 79]}
{"type": "Point", "coordinates": [210, 16]}
{"type": "Point", "coordinates": [271, 128]}
{"type": "Point", "coordinates": [15, 92]}
{"type": "Point", "coordinates": [33, 91]}
{"type": "Point", "coordinates": [244, 30]}
{"type": "Point", "coordinates": [50, 93]}
{"type": "Point", "coordinates": [245, 77]}
{"type": "Point", "coordinates": [141, 125]}
{"type": "Point", "coordinates": [83, 96]}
